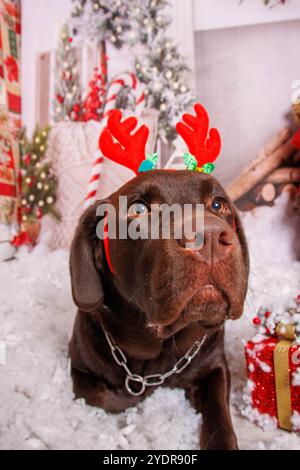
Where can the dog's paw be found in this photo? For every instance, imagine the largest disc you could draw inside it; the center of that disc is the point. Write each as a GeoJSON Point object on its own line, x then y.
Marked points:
{"type": "Point", "coordinates": [218, 440]}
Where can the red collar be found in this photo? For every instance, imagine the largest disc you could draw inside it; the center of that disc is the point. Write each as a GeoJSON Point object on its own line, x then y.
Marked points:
{"type": "Point", "coordinates": [106, 245]}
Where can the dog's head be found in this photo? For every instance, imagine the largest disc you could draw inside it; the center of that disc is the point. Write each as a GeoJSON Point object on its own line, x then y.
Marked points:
{"type": "Point", "coordinates": [171, 284]}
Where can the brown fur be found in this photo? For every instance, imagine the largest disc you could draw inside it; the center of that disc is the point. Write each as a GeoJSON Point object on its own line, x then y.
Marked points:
{"type": "Point", "coordinates": [155, 305]}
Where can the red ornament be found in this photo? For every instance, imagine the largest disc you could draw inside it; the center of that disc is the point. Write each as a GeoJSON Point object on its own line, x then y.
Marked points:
{"type": "Point", "coordinates": [70, 40]}
{"type": "Point", "coordinates": [256, 321]}
{"type": "Point", "coordinates": [267, 314]}
{"type": "Point", "coordinates": [60, 98]}
{"type": "Point", "coordinates": [27, 159]}
{"type": "Point", "coordinates": [39, 213]}
{"type": "Point", "coordinates": [32, 180]}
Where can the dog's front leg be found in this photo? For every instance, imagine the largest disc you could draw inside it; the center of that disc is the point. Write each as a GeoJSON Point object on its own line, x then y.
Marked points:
{"type": "Point", "coordinates": [96, 393]}
{"type": "Point", "coordinates": [210, 396]}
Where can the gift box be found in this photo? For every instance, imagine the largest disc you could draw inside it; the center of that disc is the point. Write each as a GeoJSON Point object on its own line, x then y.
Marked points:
{"type": "Point", "coordinates": [273, 367]}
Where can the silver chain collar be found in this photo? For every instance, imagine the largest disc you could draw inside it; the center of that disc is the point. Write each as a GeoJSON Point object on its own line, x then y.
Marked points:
{"type": "Point", "coordinates": [154, 379]}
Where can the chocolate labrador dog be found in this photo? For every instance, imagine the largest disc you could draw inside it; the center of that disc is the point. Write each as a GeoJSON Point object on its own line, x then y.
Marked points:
{"type": "Point", "coordinates": [152, 311]}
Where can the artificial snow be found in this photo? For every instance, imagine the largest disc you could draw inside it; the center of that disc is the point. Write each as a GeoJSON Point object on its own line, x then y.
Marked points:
{"type": "Point", "coordinates": [37, 314]}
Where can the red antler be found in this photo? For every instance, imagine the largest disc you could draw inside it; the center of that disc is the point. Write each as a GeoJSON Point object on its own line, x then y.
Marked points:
{"type": "Point", "coordinates": [129, 150]}
{"type": "Point", "coordinates": [194, 133]}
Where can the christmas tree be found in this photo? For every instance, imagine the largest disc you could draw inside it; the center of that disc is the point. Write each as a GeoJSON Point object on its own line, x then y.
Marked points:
{"type": "Point", "coordinates": [161, 67]}
{"type": "Point", "coordinates": [38, 183]}
{"type": "Point", "coordinates": [67, 102]}
{"type": "Point", "coordinates": [101, 20]}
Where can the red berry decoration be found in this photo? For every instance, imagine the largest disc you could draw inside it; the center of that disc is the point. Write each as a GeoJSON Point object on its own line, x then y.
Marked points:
{"type": "Point", "coordinates": [27, 159]}
{"type": "Point", "coordinates": [70, 40]}
{"type": "Point", "coordinates": [267, 314]}
{"type": "Point", "coordinates": [60, 98]}
{"type": "Point", "coordinates": [39, 213]}
{"type": "Point", "coordinates": [256, 321]}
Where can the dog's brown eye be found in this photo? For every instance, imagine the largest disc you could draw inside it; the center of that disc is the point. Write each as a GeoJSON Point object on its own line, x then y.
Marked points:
{"type": "Point", "coordinates": [137, 209]}
{"type": "Point", "coordinates": [218, 205]}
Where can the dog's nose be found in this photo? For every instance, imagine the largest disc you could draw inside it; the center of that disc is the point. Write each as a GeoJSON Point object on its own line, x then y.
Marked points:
{"type": "Point", "coordinates": [215, 243]}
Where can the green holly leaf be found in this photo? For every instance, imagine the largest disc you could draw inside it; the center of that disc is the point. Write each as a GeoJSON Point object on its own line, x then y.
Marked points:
{"type": "Point", "coordinates": [153, 157]}
{"type": "Point", "coordinates": [190, 161]}
{"type": "Point", "coordinates": [208, 168]}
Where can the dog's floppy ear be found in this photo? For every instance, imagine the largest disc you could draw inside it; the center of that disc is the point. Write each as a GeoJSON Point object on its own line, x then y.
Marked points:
{"type": "Point", "coordinates": [85, 278]}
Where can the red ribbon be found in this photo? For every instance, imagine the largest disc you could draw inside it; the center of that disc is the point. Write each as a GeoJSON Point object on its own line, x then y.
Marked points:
{"type": "Point", "coordinates": [21, 239]}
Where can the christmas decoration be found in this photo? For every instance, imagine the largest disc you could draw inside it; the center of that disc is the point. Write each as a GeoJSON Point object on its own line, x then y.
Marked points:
{"type": "Point", "coordinates": [12, 69]}
{"type": "Point", "coordinates": [129, 148]}
{"type": "Point", "coordinates": [149, 164]}
{"type": "Point", "coordinates": [10, 55]}
{"type": "Point", "coordinates": [108, 174]}
{"type": "Point", "coordinates": [103, 20]}
{"type": "Point", "coordinates": [112, 101]}
{"type": "Point", "coordinates": [273, 364]}
{"type": "Point", "coordinates": [94, 103]}
{"type": "Point", "coordinates": [38, 192]}
{"type": "Point", "coordinates": [116, 99]}
{"type": "Point", "coordinates": [67, 103]}
{"type": "Point", "coordinates": [204, 146]}
{"type": "Point", "coordinates": [160, 68]}
{"type": "Point", "coordinates": [119, 143]}
{"type": "Point", "coordinates": [94, 179]}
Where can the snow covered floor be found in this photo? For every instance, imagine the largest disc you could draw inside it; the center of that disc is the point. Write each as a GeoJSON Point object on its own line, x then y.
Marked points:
{"type": "Point", "coordinates": [36, 311]}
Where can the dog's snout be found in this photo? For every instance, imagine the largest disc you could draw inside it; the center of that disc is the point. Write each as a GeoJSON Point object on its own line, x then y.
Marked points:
{"type": "Point", "coordinates": [214, 243]}
{"type": "Point", "coordinates": [225, 237]}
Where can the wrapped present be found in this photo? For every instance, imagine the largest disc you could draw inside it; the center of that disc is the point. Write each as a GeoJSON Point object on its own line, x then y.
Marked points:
{"type": "Point", "coordinates": [273, 367]}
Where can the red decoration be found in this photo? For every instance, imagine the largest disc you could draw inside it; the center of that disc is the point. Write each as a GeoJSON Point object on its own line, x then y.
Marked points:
{"type": "Point", "coordinates": [203, 144]}
{"type": "Point", "coordinates": [273, 364]}
{"type": "Point", "coordinates": [12, 69]}
{"type": "Point", "coordinates": [94, 102]}
{"type": "Point", "coordinates": [70, 40]}
{"type": "Point", "coordinates": [129, 150]}
{"type": "Point", "coordinates": [60, 98]}
{"type": "Point", "coordinates": [21, 239]}
{"type": "Point", "coordinates": [296, 139]}
{"type": "Point", "coordinates": [39, 213]}
{"type": "Point", "coordinates": [27, 159]}
{"type": "Point", "coordinates": [260, 366]}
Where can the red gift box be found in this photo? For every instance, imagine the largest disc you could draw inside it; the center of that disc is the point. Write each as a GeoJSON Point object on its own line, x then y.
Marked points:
{"type": "Point", "coordinates": [273, 367]}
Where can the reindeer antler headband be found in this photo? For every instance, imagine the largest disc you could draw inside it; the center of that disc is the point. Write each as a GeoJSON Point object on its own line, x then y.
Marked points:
{"type": "Point", "coordinates": [119, 143]}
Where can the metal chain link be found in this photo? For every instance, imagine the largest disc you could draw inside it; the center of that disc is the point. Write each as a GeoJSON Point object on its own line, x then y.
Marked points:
{"type": "Point", "coordinates": [154, 379]}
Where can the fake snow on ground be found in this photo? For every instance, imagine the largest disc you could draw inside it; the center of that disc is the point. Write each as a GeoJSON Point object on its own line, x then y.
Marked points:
{"type": "Point", "coordinates": [37, 407]}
